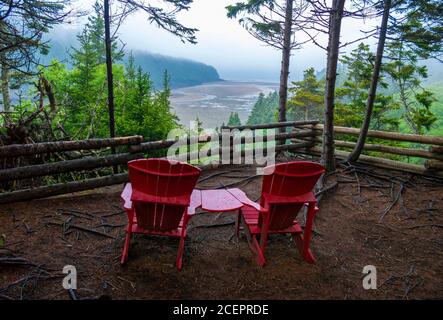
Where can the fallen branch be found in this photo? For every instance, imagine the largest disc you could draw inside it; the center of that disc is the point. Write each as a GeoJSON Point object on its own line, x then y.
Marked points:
{"type": "Point", "coordinates": [82, 228]}
{"type": "Point", "coordinates": [212, 176]}
{"type": "Point", "coordinates": [75, 213]}
{"type": "Point", "coordinates": [237, 182]}
{"type": "Point", "coordinates": [110, 225]}
{"type": "Point", "coordinates": [326, 189]}
{"type": "Point", "coordinates": [386, 211]}
{"type": "Point", "coordinates": [425, 225]}
{"type": "Point", "coordinates": [18, 261]}
{"type": "Point", "coordinates": [112, 214]}
{"type": "Point", "coordinates": [215, 225]}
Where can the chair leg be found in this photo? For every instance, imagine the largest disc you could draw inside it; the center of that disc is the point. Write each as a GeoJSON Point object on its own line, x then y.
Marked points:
{"type": "Point", "coordinates": [125, 251]}
{"type": "Point", "coordinates": [181, 247]}
{"type": "Point", "coordinates": [237, 223]}
{"type": "Point", "coordinates": [260, 255]}
{"type": "Point", "coordinates": [308, 231]}
{"type": "Point", "coordinates": [306, 254]}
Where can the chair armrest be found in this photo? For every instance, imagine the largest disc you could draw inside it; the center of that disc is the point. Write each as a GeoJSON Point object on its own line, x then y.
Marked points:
{"type": "Point", "coordinates": [126, 196]}
{"type": "Point", "coordinates": [196, 201]}
{"type": "Point", "coordinates": [243, 198]}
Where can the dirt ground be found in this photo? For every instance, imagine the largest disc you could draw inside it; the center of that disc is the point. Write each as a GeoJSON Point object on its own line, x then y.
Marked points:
{"type": "Point", "coordinates": [373, 217]}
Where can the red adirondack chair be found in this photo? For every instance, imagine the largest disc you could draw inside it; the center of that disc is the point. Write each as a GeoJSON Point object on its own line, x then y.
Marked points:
{"type": "Point", "coordinates": [159, 200]}
{"type": "Point", "coordinates": [287, 187]}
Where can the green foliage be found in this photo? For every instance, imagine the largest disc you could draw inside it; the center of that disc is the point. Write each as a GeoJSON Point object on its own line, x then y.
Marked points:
{"type": "Point", "coordinates": [22, 25]}
{"type": "Point", "coordinates": [420, 28]}
{"type": "Point", "coordinates": [234, 119]}
{"type": "Point", "coordinates": [81, 92]}
{"type": "Point", "coordinates": [353, 94]}
{"type": "Point", "coordinates": [92, 43]}
{"type": "Point", "coordinates": [437, 108]}
{"type": "Point", "coordinates": [407, 75]}
{"type": "Point", "coordinates": [183, 73]}
{"type": "Point", "coordinates": [264, 110]}
{"type": "Point", "coordinates": [265, 19]}
{"type": "Point", "coordinates": [308, 97]}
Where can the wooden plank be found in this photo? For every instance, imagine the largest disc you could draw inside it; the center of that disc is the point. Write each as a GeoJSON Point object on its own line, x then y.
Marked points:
{"type": "Point", "coordinates": [434, 165]}
{"type": "Point", "coordinates": [436, 149]}
{"type": "Point", "coordinates": [66, 166]}
{"type": "Point", "coordinates": [62, 188]}
{"type": "Point", "coordinates": [435, 140]}
{"type": "Point", "coordinates": [384, 163]}
{"type": "Point", "coordinates": [272, 125]}
{"type": "Point", "coordinates": [16, 150]}
{"type": "Point", "coordinates": [389, 149]}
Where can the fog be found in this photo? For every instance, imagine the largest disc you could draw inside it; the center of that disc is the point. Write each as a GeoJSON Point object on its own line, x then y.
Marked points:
{"type": "Point", "coordinates": [225, 44]}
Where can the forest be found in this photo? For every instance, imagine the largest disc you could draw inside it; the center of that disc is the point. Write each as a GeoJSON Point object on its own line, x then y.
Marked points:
{"type": "Point", "coordinates": [75, 98]}
{"type": "Point", "coordinates": [183, 72]}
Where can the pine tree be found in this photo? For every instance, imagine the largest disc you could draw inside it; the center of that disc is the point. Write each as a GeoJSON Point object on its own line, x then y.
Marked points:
{"type": "Point", "coordinates": [307, 101]}
{"type": "Point", "coordinates": [352, 96]}
{"type": "Point", "coordinates": [91, 40]}
{"type": "Point", "coordinates": [265, 109]}
{"type": "Point", "coordinates": [407, 74]}
{"type": "Point", "coordinates": [234, 119]}
{"type": "Point", "coordinates": [161, 120]}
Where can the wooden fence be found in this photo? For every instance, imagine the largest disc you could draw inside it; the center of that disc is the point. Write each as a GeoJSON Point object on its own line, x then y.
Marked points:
{"type": "Point", "coordinates": [429, 148]}
{"type": "Point", "coordinates": [304, 138]}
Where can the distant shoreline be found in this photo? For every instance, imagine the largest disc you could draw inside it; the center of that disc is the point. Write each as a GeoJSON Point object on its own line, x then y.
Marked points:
{"type": "Point", "coordinates": [212, 102]}
{"type": "Point", "coordinates": [227, 81]}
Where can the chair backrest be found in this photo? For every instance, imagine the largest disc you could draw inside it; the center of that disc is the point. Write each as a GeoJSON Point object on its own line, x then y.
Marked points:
{"type": "Point", "coordinates": [161, 191]}
{"type": "Point", "coordinates": [289, 179]}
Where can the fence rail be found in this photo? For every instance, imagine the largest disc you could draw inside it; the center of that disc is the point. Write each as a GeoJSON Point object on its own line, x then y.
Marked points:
{"type": "Point", "coordinates": [433, 166]}
{"type": "Point", "coordinates": [304, 138]}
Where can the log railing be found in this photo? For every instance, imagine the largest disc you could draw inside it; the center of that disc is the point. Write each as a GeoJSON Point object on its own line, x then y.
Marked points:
{"type": "Point", "coordinates": [136, 147]}
{"type": "Point", "coordinates": [426, 147]}
{"type": "Point", "coordinates": [303, 138]}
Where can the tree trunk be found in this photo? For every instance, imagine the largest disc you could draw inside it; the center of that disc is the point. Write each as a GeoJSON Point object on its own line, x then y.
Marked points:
{"type": "Point", "coordinates": [355, 154]}
{"type": "Point", "coordinates": [5, 90]}
{"type": "Point", "coordinates": [109, 76]}
{"type": "Point", "coordinates": [335, 20]}
{"type": "Point", "coordinates": [284, 72]}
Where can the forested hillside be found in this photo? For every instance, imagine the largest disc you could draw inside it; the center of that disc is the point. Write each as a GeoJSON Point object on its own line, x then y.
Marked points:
{"type": "Point", "coordinates": [182, 72]}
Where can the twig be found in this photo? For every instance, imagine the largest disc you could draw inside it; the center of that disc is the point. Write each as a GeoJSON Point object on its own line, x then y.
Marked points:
{"type": "Point", "coordinates": [112, 214]}
{"type": "Point", "coordinates": [215, 225]}
{"type": "Point", "coordinates": [386, 211]}
{"type": "Point", "coordinates": [72, 294]}
{"type": "Point", "coordinates": [18, 261]}
{"type": "Point", "coordinates": [326, 189]}
{"type": "Point", "coordinates": [212, 176]}
{"type": "Point", "coordinates": [82, 228]}
{"type": "Point", "coordinates": [110, 225]}
{"type": "Point", "coordinates": [76, 213]}
{"type": "Point", "coordinates": [223, 186]}
{"type": "Point", "coordinates": [425, 225]}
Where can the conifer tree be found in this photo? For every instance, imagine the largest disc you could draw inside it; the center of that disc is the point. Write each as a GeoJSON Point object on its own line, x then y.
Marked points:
{"type": "Point", "coordinates": [308, 97]}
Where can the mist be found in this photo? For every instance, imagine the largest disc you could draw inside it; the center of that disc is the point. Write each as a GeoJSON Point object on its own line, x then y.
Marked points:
{"type": "Point", "coordinates": [225, 44]}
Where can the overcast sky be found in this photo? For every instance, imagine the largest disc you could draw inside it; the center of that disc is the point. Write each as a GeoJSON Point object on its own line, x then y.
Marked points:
{"type": "Point", "coordinates": [223, 43]}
